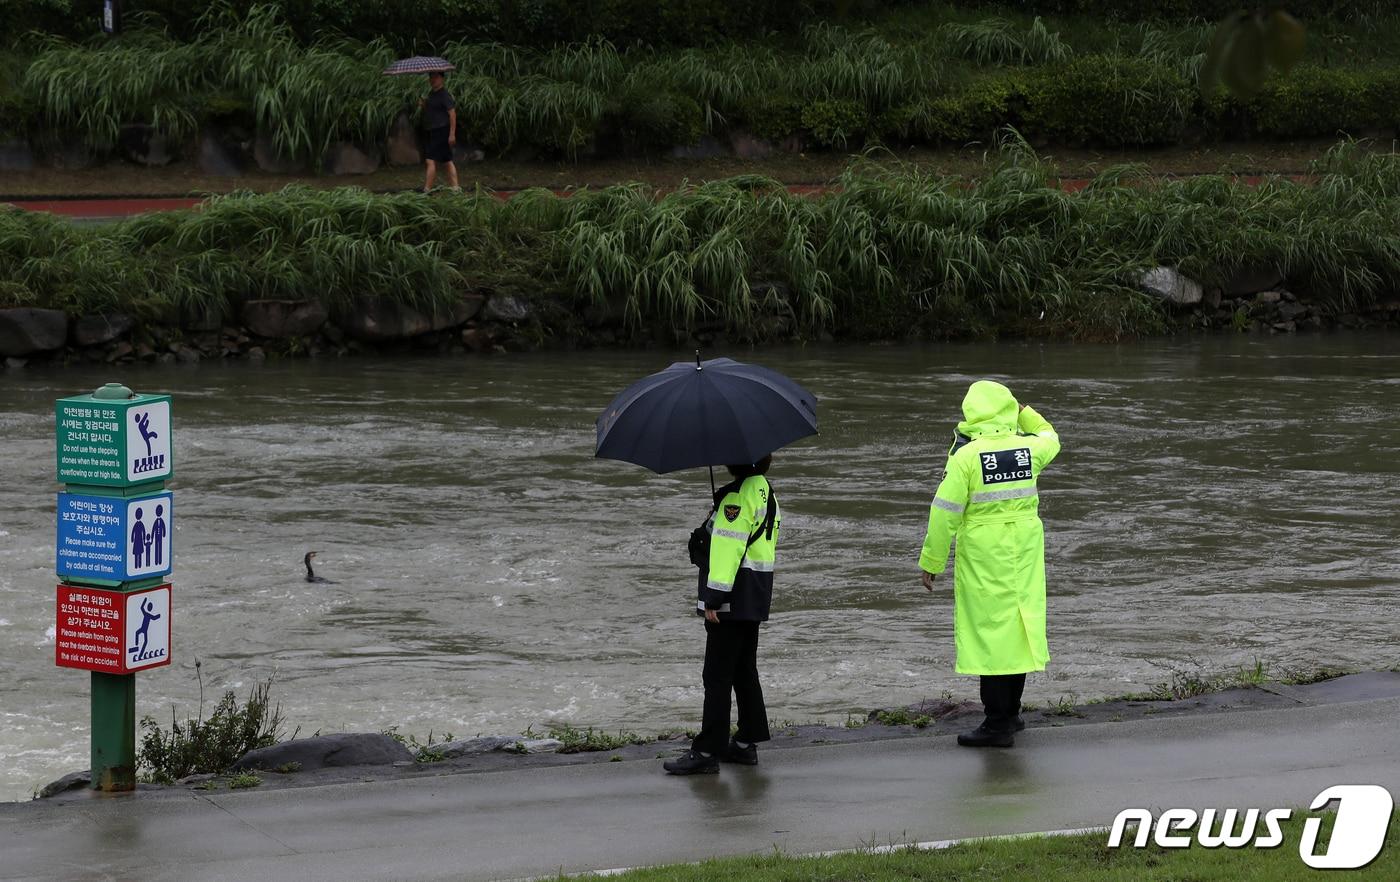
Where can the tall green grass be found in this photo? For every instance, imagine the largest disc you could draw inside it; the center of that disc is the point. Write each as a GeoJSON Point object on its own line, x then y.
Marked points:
{"type": "Point", "coordinates": [933, 73]}
{"type": "Point", "coordinates": [891, 251]}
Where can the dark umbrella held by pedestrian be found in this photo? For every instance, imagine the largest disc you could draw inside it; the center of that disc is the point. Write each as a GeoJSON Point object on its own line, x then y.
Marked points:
{"type": "Point", "coordinates": [707, 413]}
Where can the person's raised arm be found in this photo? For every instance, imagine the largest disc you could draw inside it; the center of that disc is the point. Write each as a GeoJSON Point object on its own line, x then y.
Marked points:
{"type": "Point", "coordinates": [1047, 444]}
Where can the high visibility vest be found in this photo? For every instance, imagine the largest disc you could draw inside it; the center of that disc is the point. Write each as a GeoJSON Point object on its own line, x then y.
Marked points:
{"type": "Point", "coordinates": [739, 580]}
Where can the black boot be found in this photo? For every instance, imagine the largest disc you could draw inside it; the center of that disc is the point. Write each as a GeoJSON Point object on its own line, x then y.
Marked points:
{"type": "Point", "coordinates": [744, 756]}
{"type": "Point", "coordinates": [984, 737]}
{"type": "Point", "coordinates": [692, 762]}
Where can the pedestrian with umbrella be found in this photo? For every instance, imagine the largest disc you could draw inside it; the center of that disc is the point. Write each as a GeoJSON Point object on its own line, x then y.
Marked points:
{"type": "Point", "coordinates": [702, 414]}
{"type": "Point", "coordinates": [439, 114]}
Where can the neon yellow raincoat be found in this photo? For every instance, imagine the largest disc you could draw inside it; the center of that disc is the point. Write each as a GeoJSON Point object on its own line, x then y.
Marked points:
{"type": "Point", "coordinates": [988, 500]}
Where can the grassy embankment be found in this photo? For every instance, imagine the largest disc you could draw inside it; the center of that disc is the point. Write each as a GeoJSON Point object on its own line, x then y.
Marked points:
{"type": "Point", "coordinates": [895, 252]}
{"type": "Point", "coordinates": [1082, 858]}
{"type": "Point", "coordinates": [928, 76]}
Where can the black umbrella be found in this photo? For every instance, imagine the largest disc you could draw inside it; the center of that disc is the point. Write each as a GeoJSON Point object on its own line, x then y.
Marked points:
{"type": "Point", "coordinates": [709, 413]}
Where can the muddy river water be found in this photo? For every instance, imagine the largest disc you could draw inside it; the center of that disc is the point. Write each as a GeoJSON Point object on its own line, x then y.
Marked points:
{"type": "Point", "coordinates": [1218, 501]}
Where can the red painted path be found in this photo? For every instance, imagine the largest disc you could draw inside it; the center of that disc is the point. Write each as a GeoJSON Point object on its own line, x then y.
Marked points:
{"type": "Point", "coordinates": [120, 207]}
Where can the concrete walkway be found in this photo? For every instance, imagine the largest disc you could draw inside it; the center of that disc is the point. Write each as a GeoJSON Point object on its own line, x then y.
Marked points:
{"type": "Point", "coordinates": [529, 822]}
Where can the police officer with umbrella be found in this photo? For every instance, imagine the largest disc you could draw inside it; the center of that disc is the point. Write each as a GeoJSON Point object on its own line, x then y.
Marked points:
{"type": "Point", "coordinates": [720, 412]}
{"type": "Point", "coordinates": [989, 500]}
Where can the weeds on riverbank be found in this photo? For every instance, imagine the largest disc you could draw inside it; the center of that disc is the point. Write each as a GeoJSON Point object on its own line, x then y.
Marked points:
{"type": "Point", "coordinates": [210, 746]}
{"type": "Point", "coordinates": [588, 740]}
{"type": "Point", "coordinates": [890, 252]}
{"type": "Point", "coordinates": [934, 75]}
{"type": "Point", "coordinates": [1185, 683]}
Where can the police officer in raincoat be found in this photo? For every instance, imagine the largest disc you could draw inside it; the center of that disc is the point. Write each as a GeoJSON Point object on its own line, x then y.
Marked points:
{"type": "Point", "coordinates": [988, 501]}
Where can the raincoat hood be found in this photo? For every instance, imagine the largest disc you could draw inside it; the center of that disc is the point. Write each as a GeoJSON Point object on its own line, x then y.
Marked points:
{"type": "Point", "coordinates": [988, 409]}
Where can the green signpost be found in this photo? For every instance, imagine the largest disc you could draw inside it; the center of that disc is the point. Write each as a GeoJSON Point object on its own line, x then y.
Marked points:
{"type": "Point", "coordinates": [115, 528]}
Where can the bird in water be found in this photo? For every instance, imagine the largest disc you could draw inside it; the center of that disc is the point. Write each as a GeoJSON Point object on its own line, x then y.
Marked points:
{"type": "Point", "coordinates": [310, 573]}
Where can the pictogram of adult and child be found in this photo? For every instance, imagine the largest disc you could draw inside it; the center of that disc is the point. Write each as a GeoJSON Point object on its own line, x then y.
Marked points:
{"type": "Point", "coordinates": [148, 544]}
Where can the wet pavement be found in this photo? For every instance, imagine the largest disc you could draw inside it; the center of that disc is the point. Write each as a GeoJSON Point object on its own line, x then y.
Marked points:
{"type": "Point", "coordinates": [539, 821]}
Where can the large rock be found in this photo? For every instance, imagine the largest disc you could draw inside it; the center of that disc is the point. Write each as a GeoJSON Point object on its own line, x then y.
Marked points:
{"type": "Point", "coordinates": [324, 751]}
{"type": "Point", "coordinates": [93, 330]}
{"type": "Point", "coordinates": [748, 146]}
{"type": "Point", "coordinates": [280, 319]}
{"type": "Point", "coordinates": [271, 161]}
{"type": "Point", "coordinates": [376, 320]}
{"type": "Point", "coordinates": [506, 308]}
{"type": "Point", "coordinates": [15, 156]}
{"type": "Point", "coordinates": [401, 148]}
{"type": "Point", "coordinates": [73, 156]}
{"type": "Point", "coordinates": [344, 158]}
{"type": "Point", "coordinates": [71, 781]}
{"type": "Point", "coordinates": [1171, 286]}
{"type": "Point", "coordinates": [708, 147]}
{"type": "Point", "coordinates": [215, 157]}
{"type": "Point", "coordinates": [1251, 280]}
{"type": "Point", "coordinates": [144, 145]}
{"type": "Point", "coordinates": [25, 330]}
{"type": "Point", "coordinates": [467, 153]}
{"type": "Point", "coordinates": [492, 743]}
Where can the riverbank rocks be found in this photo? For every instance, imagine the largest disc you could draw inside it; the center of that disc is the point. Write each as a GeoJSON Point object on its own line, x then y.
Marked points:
{"type": "Point", "coordinates": [1251, 280]}
{"type": "Point", "coordinates": [270, 160]}
{"type": "Point", "coordinates": [16, 156]}
{"type": "Point", "coordinates": [376, 320]}
{"type": "Point", "coordinates": [324, 751]}
{"type": "Point", "coordinates": [506, 308]}
{"type": "Point", "coordinates": [94, 330]}
{"type": "Point", "coordinates": [1171, 286]}
{"type": "Point", "coordinates": [216, 158]}
{"type": "Point", "coordinates": [490, 744]}
{"type": "Point", "coordinates": [748, 146]}
{"type": "Point", "coordinates": [24, 330]}
{"type": "Point", "coordinates": [708, 147]}
{"type": "Point", "coordinates": [280, 319]}
{"type": "Point", "coordinates": [401, 148]}
{"type": "Point", "coordinates": [344, 158]}
{"type": "Point", "coordinates": [145, 145]}
{"type": "Point", "coordinates": [71, 781]}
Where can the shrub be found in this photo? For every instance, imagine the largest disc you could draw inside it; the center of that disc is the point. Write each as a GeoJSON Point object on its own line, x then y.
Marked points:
{"type": "Point", "coordinates": [772, 116]}
{"type": "Point", "coordinates": [214, 744]}
{"type": "Point", "coordinates": [974, 114]}
{"type": "Point", "coordinates": [836, 123]}
{"type": "Point", "coordinates": [1313, 101]}
{"type": "Point", "coordinates": [1114, 101]}
{"type": "Point", "coordinates": [661, 121]}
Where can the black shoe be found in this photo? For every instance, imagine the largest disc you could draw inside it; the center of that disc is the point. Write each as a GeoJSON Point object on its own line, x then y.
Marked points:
{"type": "Point", "coordinates": [744, 756]}
{"type": "Point", "coordinates": [691, 763]}
{"type": "Point", "coordinates": [984, 737]}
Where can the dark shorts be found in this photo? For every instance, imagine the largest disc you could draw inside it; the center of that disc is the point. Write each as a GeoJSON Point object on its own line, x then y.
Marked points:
{"type": "Point", "coordinates": [438, 150]}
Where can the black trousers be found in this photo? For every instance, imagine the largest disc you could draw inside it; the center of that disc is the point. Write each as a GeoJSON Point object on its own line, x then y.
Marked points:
{"type": "Point", "coordinates": [731, 665]}
{"type": "Point", "coordinates": [1001, 696]}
